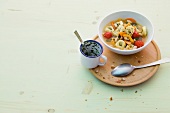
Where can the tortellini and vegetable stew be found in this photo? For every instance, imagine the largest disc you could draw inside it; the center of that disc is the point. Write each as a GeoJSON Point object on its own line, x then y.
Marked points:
{"type": "Point", "coordinates": [125, 34]}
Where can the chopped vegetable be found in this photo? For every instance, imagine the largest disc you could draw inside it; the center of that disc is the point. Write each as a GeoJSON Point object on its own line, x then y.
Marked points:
{"type": "Point", "coordinates": [139, 43]}
{"type": "Point", "coordinates": [128, 36]}
{"type": "Point", "coordinates": [127, 42]}
{"type": "Point", "coordinates": [121, 33]}
{"type": "Point", "coordinates": [107, 35]}
{"type": "Point", "coordinates": [135, 34]}
{"type": "Point", "coordinates": [112, 24]}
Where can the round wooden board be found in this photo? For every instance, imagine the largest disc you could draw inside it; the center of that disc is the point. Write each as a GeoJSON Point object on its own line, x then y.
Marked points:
{"type": "Point", "coordinates": [150, 54]}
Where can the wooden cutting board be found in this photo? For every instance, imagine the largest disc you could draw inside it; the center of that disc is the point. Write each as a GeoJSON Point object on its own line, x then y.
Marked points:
{"type": "Point", "coordinates": [150, 54]}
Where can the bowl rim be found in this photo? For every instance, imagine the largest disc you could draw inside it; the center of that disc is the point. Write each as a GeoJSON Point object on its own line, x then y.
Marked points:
{"type": "Point", "coordinates": [127, 51]}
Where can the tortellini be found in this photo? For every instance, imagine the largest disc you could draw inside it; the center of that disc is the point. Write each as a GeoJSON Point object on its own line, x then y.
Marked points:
{"type": "Point", "coordinates": [118, 24]}
{"type": "Point", "coordinates": [130, 30]}
{"type": "Point", "coordinates": [119, 29]}
{"type": "Point", "coordinates": [130, 47]}
{"type": "Point", "coordinates": [120, 44]}
{"type": "Point", "coordinates": [109, 29]}
{"type": "Point", "coordinates": [144, 32]}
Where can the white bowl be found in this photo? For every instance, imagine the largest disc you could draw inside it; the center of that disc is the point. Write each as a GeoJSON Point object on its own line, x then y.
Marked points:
{"type": "Point", "coordinates": [140, 18]}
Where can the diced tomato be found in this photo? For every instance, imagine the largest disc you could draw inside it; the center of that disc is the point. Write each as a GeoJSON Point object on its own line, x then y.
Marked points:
{"type": "Point", "coordinates": [135, 34]}
{"type": "Point", "coordinates": [107, 35]}
{"type": "Point", "coordinates": [139, 43]}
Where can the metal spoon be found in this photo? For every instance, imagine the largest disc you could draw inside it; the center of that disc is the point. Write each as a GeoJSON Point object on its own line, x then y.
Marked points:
{"type": "Point", "coordinates": [78, 36]}
{"type": "Point", "coordinates": [126, 68]}
{"type": "Point", "coordinates": [81, 41]}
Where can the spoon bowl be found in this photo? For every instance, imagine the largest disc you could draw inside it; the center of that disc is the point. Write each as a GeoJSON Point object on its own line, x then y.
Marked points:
{"type": "Point", "coordinates": [123, 70]}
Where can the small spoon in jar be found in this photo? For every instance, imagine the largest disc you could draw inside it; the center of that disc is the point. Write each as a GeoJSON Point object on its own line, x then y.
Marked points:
{"type": "Point", "coordinates": [81, 41]}
{"type": "Point", "coordinates": [78, 36]}
{"type": "Point", "coordinates": [126, 68]}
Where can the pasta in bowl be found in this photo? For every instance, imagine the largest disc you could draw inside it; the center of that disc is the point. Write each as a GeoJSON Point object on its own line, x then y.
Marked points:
{"type": "Point", "coordinates": [125, 32]}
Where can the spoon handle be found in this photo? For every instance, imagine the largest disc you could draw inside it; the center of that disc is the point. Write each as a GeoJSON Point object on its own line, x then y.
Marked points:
{"type": "Point", "coordinates": [164, 60]}
{"type": "Point", "coordinates": [78, 36]}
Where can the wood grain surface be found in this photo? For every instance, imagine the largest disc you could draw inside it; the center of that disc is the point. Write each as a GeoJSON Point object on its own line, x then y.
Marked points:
{"type": "Point", "coordinates": [150, 54]}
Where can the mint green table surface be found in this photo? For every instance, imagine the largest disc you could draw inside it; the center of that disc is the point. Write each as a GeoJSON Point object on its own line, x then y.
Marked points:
{"type": "Point", "coordinates": [40, 69]}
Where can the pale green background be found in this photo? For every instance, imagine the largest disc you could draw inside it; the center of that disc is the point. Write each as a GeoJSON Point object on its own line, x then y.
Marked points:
{"type": "Point", "coordinates": [40, 70]}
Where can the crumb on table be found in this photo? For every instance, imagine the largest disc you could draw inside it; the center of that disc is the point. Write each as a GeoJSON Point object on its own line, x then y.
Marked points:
{"type": "Point", "coordinates": [111, 98]}
{"type": "Point", "coordinates": [112, 66]}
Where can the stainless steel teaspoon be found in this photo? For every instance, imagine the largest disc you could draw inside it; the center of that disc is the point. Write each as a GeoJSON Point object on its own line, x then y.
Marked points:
{"type": "Point", "coordinates": [126, 68]}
